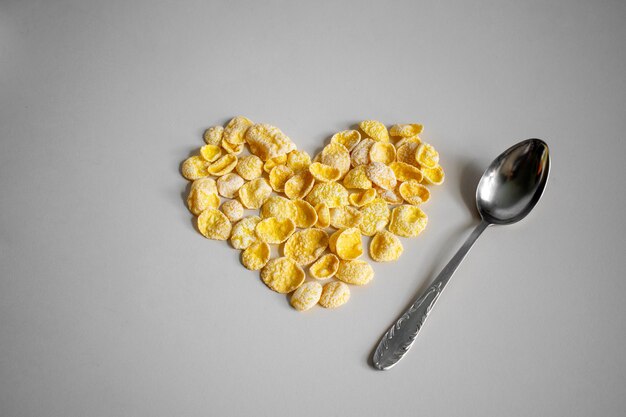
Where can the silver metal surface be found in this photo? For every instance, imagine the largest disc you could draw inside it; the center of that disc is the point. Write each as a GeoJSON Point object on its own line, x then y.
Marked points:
{"type": "Point", "coordinates": [508, 190]}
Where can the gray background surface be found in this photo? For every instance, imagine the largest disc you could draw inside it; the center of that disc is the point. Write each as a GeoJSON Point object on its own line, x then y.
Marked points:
{"type": "Point", "coordinates": [111, 304]}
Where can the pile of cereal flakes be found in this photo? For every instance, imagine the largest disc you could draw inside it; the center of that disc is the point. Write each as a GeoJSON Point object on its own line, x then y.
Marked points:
{"type": "Point", "coordinates": [316, 210]}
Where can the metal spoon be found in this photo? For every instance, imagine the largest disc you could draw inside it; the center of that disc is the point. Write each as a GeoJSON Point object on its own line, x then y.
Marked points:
{"type": "Point", "coordinates": [506, 193]}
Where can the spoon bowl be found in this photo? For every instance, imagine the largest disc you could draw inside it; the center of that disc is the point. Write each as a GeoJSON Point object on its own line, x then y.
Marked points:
{"type": "Point", "coordinates": [508, 190]}
{"type": "Point", "coordinates": [513, 182]}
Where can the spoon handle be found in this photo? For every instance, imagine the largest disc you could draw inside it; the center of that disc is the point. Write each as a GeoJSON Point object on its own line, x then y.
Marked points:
{"type": "Point", "coordinates": [400, 337]}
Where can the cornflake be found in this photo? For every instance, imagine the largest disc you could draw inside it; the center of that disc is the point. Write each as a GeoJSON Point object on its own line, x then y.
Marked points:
{"type": "Point", "coordinates": [274, 230]}
{"type": "Point", "coordinates": [305, 246]}
{"type": "Point", "coordinates": [413, 192]}
{"type": "Point", "coordinates": [407, 221]}
{"type": "Point", "coordinates": [256, 256]}
{"type": "Point", "coordinates": [235, 130]}
{"type": "Point", "coordinates": [324, 173]}
{"type": "Point", "coordinates": [383, 152]}
{"type": "Point", "coordinates": [348, 138]}
{"type": "Point", "coordinates": [375, 130]}
{"type": "Point", "coordinates": [223, 165]}
{"type": "Point", "coordinates": [385, 247]}
{"type": "Point", "coordinates": [325, 267]}
{"type": "Point", "coordinates": [406, 172]}
{"type": "Point", "coordinates": [298, 160]}
{"type": "Point", "coordinates": [363, 198]}
{"type": "Point", "coordinates": [282, 275]}
{"type": "Point", "coordinates": [306, 216]}
{"type": "Point", "coordinates": [375, 217]}
{"type": "Point", "coordinates": [267, 141]}
{"type": "Point", "coordinates": [334, 294]}
{"type": "Point", "coordinates": [243, 234]}
{"type": "Point", "coordinates": [254, 193]}
{"type": "Point", "coordinates": [233, 210]}
{"type": "Point", "coordinates": [355, 272]}
{"type": "Point", "coordinates": [323, 215]}
{"type": "Point", "coordinates": [249, 167]}
{"type": "Point", "coordinates": [406, 130]}
{"type": "Point", "coordinates": [427, 156]}
{"type": "Point", "coordinates": [210, 153]}
{"type": "Point", "coordinates": [279, 207]}
{"type": "Point", "coordinates": [194, 167]}
{"type": "Point", "coordinates": [229, 184]}
{"type": "Point", "coordinates": [332, 194]}
{"type": "Point", "coordinates": [298, 186]}
{"type": "Point", "coordinates": [357, 178]}
{"type": "Point", "coordinates": [336, 155]}
{"type": "Point", "coordinates": [346, 243]}
{"type": "Point", "coordinates": [202, 195]}
{"type": "Point", "coordinates": [213, 224]}
{"type": "Point", "coordinates": [361, 153]}
{"type": "Point", "coordinates": [343, 217]}
{"type": "Point", "coordinates": [213, 135]}
{"type": "Point", "coordinates": [272, 162]}
{"type": "Point", "coordinates": [381, 175]}
{"type": "Point", "coordinates": [279, 175]}
{"type": "Point", "coordinates": [434, 176]}
{"type": "Point", "coordinates": [306, 296]}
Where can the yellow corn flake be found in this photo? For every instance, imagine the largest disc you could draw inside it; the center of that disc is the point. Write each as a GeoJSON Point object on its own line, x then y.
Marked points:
{"type": "Point", "coordinates": [331, 193]}
{"type": "Point", "coordinates": [324, 173]}
{"type": "Point", "coordinates": [407, 221]}
{"type": "Point", "coordinates": [405, 130]}
{"type": "Point", "coordinates": [361, 153]}
{"type": "Point", "coordinates": [272, 162]}
{"type": "Point", "coordinates": [334, 294]}
{"type": "Point", "coordinates": [413, 192]}
{"type": "Point", "coordinates": [348, 138]}
{"type": "Point", "coordinates": [434, 175]}
{"type": "Point", "coordinates": [298, 186]}
{"type": "Point", "coordinates": [406, 153]}
{"type": "Point", "coordinates": [194, 167]}
{"type": "Point", "coordinates": [267, 141]}
{"type": "Point", "coordinates": [306, 296]}
{"type": "Point", "coordinates": [305, 246]}
{"type": "Point", "coordinates": [202, 195]}
{"type": "Point", "coordinates": [298, 160]}
{"type": "Point", "coordinates": [406, 172]}
{"type": "Point", "coordinates": [375, 130]}
{"type": "Point", "coordinates": [213, 135]}
{"type": "Point", "coordinates": [243, 234]}
{"type": "Point", "coordinates": [229, 184]}
{"type": "Point", "coordinates": [249, 167]}
{"type": "Point", "coordinates": [346, 243]}
{"type": "Point", "coordinates": [325, 267]}
{"type": "Point", "coordinates": [233, 210]}
{"type": "Point", "coordinates": [383, 152]}
{"type": "Point", "coordinates": [375, 217]}
{"type": "Point", "coordinates": [273, 230]}
{"type": "Point", "coordinates": [381, 175]}
{"type": "Point", "coordinates": [323, 215]}
{"type": "Point", "coordinates": [213, 224]}
{"type": "Point", "coordinates": [279, 207]}
{"type": "Point", "coordinates": [254, 193]}
{"type": "Point", "coordinates": [234, 149]}
{"type": "Point", "coordinates": [362, 198]}
{"type": "Point", "coordinates": [427, 156]}
{"type": "Point", "coordinates": [210, 153]}
{"type": "Point", "coordinates": [235, 130]}
{"type": "Point", "coordinates": [279, 175]}
{"type": "Point", "coordinates": [385, 247]}
{"type": "Point", "coordinates": [256, 256]}
{"type": "Point", "coordinates": [342, 217]}
{"type": "Point", "coordinates": [390, 196]}
{"type": "Point", "coordinates": [413, 139]}
{"type": "Point", "coordinates": [282, 275]}
{"type": "Point", "coordinates": [336, 155]}
{"type": "Point", "coordinates": [355, 272]}
{"type": "Point", "coordinates": [306, 216]}
{"type": "Point", "coordinates": [356, 178]}
{"type": "Point", "coordinates": [223, 165]}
